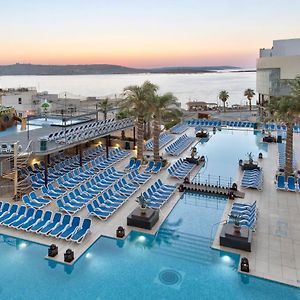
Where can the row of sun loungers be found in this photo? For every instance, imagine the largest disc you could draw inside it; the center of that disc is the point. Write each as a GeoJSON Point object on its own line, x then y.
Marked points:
{"type": "Point", "coordinates": [208, 123]}
{"type": "Point", "coordinates": [246, 214]}
{"type": "Point", "coordinates": [252, 179]}
{"type": "Point", "coordinates": [292, 184]}
{"type": "Point", "coordinates": [139, 178]}
{"type": "Point", "coordinates": [274, 126]}
{"type": "Point", "coordinates": [80, 193]}
{"type": "Point", "coordinates": [40, 222]}
{"type": "Point", "coordinates": [179, 128]}
{"type": "Point", "coordinates": [72, 179]}
{"type": "Point", "coordinates": [6, 148]}
{"type": "Point", "coordinates": [133, 165]}
{"type": "Point", "coordinates": [158, 194]}
{"type": "Point", "coordinates": [179, 145]}
{"type": "Point", "coordinates": [152, 167]}
{"type": "Point", "coordinates": [164, 139]}
{"type": "Point", "coordinates": [93, 132]}
{"type": "Point", "coordinates": [281, 157]}
{"type": "Point", "coordinates": [63, 168]}
{"type": "Point", "coordinates": [76, 129]}
{"type": "Point", "coordinates": [180, 169]}
{"type": "Point", "coordinates": [110, 201]}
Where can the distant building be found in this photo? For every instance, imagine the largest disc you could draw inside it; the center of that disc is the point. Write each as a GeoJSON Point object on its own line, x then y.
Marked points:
{"type": "Point", "coordinates": [275, 68]}
{"type": "Point", "coordinates": [201, 105]}
{"type": "Point", "coordinates": [22, 99]}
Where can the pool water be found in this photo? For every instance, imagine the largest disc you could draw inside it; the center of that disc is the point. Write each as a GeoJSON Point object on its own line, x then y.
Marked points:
{"type": "Point", "coordinates": [176, 263]}
{"type": "Point", "coordinates": [16, 129]}
{"type": "Point", "coordinates": [55, 121]}
{"type": "Point", "coordinates": [224, 150]}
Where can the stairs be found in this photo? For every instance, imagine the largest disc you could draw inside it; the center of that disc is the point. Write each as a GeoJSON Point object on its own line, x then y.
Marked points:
{"type": "Point", "coordinates": [183, 246]}
{"type": "Point", "coordinates": [9, 168]}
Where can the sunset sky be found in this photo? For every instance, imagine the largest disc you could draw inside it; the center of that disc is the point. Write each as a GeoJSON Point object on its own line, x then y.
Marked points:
{"type": "Point", "coordinates": [142, 33]}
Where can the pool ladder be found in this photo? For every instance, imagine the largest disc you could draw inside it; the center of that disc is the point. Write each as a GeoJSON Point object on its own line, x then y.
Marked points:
{"type": "Point", "coordinates": [212, 227]}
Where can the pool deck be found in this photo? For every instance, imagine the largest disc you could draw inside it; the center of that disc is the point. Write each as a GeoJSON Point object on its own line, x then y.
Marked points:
{"type": "Point", "coordinates": [276, 242]}
{"type": "Point", "coordinates": [108, 227]}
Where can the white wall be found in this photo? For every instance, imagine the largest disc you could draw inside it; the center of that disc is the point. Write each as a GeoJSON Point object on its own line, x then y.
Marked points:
{"type": "Point", "coordinates": [286, 47]}
{"type": "Point", "coordinates": [289, 65]}
{"type": "Point", "coordinates": [26, 106]}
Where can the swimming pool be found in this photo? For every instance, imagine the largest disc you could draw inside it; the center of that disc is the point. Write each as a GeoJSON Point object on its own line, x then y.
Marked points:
{"type": "Point", "coordinates": [223, 151]}
{"type": "Point", "coordinates": [177, 263]}
{"type": "Point", "coordinates": [16, 129]}
{"type": "Point", "coordinates": [55, 121]}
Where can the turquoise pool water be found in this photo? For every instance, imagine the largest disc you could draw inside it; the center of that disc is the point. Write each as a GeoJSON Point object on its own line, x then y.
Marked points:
{"type": "Point", "coordinates": [55, 121]}
{"type": "Point", "coordinates": [177, 263]}
{"type": "Point", "coordinates": [223, 151]}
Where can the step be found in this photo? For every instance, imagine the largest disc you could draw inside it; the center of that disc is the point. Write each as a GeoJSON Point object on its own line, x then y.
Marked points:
{"type": "Point", "coordinates": [200, 259]}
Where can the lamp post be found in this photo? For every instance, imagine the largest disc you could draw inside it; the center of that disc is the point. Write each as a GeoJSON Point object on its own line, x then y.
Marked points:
{"type": "Point", "coordinates": [28, 128]}
{"type": "Point", "coordinates": [97, 112]}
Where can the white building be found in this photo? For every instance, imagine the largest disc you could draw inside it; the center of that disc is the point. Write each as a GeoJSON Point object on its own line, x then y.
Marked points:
{"type": "Point", "coordinates": [26, 101]}
{"type": "Point", "coordinates": [276, 67]}
{"type": "Point", "coordinates": [22, 99]}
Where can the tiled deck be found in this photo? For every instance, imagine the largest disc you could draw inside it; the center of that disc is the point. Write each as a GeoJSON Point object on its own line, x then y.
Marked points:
{"type": "Point", "coordinates": [276, 242]}
{"type": "Point", "coordinates": [108, 227]}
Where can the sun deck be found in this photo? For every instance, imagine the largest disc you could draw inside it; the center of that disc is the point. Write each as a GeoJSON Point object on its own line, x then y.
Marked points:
{"type": "Point", "coordinates": [107, 227]}
{"type": "Point", "coordinates": [276, 242]}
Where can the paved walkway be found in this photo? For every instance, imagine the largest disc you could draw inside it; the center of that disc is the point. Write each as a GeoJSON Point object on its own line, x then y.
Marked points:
{"type": "Point", "coordinates": [276, 243]}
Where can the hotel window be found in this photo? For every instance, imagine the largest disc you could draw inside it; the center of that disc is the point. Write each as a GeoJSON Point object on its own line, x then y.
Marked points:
{"type": "Point", "coordinates": [20, 100]}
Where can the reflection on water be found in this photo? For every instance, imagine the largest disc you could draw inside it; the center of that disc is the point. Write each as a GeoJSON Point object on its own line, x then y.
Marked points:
{"type": "Point", "coordinates": [185, 87]}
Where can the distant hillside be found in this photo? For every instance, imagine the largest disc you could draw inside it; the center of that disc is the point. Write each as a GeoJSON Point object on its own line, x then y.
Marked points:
{"type": "Point", "coordinates": [29, 69]}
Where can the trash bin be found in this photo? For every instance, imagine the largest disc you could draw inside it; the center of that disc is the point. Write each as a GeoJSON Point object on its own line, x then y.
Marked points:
{"type": "Point", "coordinates": [279, 139]}
{"type": "Point", "coordinates": [43, 145]}
{"type": "Point", "coordinates": [127, 145]}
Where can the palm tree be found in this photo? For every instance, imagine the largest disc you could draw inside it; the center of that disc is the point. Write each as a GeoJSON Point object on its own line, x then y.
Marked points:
{"type": "Point", "coordinates": [249, 93]}
{"type": "Point", "coordinates": [287, 109]}
{"type": "Point", "coordinates": [104, 106]}
{"type": "Point", "coordinates": [160, 106]}
{"type": "Point", "coordinates": [223, 96]}
{"type": "Point", "coordinates": [45, 107]}
{"type": "Point", "coordinates": [138, 98]}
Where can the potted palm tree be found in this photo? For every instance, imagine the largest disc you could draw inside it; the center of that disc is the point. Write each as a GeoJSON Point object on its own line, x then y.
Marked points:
{"type": "Point", "coordinates": [142, 201]}
{"type": "Point", "coordinates": [45, 107]}
{"type": "Point", "coordinates": [236, 223]}
{"type": "Point", "coordinates": [224, 96]}
{"type": "Point", "coordinates": [249, 93]}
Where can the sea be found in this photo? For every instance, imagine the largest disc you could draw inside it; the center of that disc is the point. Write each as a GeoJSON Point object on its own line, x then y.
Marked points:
{"type": "Point", "coordinates": [186, 87]}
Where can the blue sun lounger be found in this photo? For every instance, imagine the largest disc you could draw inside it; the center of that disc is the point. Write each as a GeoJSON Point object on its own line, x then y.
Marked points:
{"type": "Point", "coordinates": [26, 222]}
{"type": "Point", "coordinates": [51, 225]}
{"type": "Point", "coordinates": [291, 184]}
{"type": "Point", "coordinates": [97, 213]}
{"type": "Point", "coordinates": [149, 166]}
{"type": "Point", "coordinates": [41, 222]}
{"type": "Point", "coordinates": [70, 229]}
{"type": "Point", "coordinates": [15, 216]}
{"type": "Point", "coordinates": [157, 167]}
{"type": "Point", "coordinates": [82, 232]}
{"type": "Point", "coordinates": [60, 227]}
{"type": "Point", "coordinates": [280, 183]}
{"type": "Point", "coordinates": [7, 214]}
{"type": "Point", "coordinates": [130, 165]}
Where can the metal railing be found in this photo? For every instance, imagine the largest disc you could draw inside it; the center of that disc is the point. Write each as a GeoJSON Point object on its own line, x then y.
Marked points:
{"type": "Point", "coordinates": [215, 180]}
